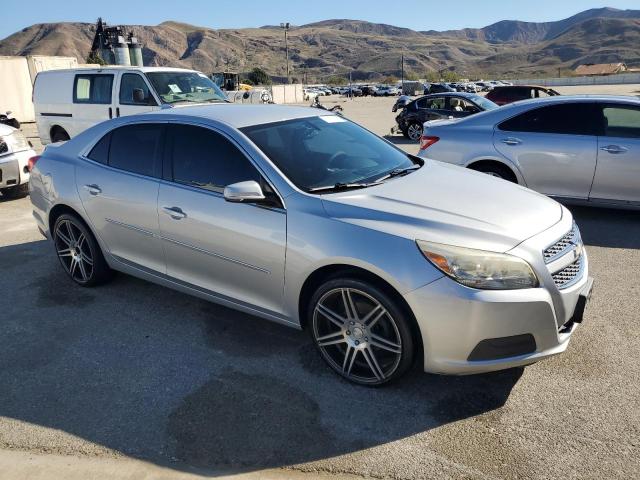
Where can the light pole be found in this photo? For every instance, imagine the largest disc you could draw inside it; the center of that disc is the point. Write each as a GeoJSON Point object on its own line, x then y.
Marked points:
{"type": "Point", "coordinates": [285, 27]}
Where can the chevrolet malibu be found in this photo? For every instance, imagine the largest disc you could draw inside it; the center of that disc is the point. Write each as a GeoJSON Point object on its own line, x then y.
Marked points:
{"type": "Point", "coordinates": [302, 217]}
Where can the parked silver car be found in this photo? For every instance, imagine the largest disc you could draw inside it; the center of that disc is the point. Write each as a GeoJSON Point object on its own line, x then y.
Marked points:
{"type": "Point", "coordinates": [583, 149]}
{"type": "Point", "coordinates": [302, 217]}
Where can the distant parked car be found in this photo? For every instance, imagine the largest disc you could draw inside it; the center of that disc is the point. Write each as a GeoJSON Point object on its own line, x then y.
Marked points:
{"type": "Point", "coordinates": [309, 94]}
{"type": "Point", "coordinates": [509, 94]}
{"type": "Point", "coordinates": [579, 148]}
{"type": "Point", "coordinates": [353, 92]}
{"type": "Point", "coordinates": [485, 86]}
{"type": "Point", "coordinates": [369, 90]}
{"type": "Point", "coordinates": [438, 88]}
{"type": "Point", "coordinates": [387, 91]}
{"type": "Point", "coordinates": [439, 106]}
{"type": "Point", "coordinates": [15, 155]}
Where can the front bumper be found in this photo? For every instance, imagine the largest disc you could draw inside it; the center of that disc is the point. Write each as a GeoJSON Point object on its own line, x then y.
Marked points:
{"type": "Point", "coordinates": [465, 330]}
{"type": "Point", "coordinates": [13, 168]}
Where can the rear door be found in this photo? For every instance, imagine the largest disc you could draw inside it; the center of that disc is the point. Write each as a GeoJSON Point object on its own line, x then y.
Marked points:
{"type": "Point", "coordinates": [118, 186]}
{"type": "Point", "coordinates": [92, 100]}
{"type": "Point", "coordinates": [618, 171]}
{"type": "Point", "coordinates": [554, 146]}
{"type": "Point", "coordinates": [131, 87]}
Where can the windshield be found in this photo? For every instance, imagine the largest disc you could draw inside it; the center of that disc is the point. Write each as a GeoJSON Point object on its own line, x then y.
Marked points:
{"type": "Point", "coordinates": [326, 151]}
{"type": "Point", "coordinates": [483, 102]}
{"type": "Point", "coordinates": [193, 87]}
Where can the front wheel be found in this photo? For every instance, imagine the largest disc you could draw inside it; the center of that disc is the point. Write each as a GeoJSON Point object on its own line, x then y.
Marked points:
{"type": "Point", "coordinates": [360, 331]}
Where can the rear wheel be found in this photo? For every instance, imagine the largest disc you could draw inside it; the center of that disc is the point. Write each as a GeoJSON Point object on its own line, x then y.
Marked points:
{"type": "Point", "coordinates": [59, 135]}
{"type": "Point", "coordinates": [414, 131]}
{"type": "Point", "coordinates": [495, 170]}
{"type": "Point", "coordinates": [361, 332]}
{"type": "Point", "coordinates": [79, 252]}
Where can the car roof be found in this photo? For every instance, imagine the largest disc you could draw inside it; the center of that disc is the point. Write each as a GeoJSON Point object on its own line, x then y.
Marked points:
{"type": "Point", "coordinates": [500, 87]}
{"type": "Point", "coordinates": [241, 115]}
{"type": "Point", "coordinates": [117, 67]}
{"type": "Point", "coordinates": [577, 98]}
{"type": "Point", "coordinates": [451, 94]}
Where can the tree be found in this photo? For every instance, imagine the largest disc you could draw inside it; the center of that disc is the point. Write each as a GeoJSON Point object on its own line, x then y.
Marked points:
{"type": "Point", "coordinates": [259, 77]}
{"type": "Point", "coordinates": [411, 76]}
{"type": "Point", "coordinates": [450, 76]}
{"type": "Point", "coordinates": [390, 80]}
{"type": "Point", "coordinates": [432, 76]}
{"type": "Point", "coordinates": [94, 57]}
{"type": "Point", "coordinates": [336, 80]}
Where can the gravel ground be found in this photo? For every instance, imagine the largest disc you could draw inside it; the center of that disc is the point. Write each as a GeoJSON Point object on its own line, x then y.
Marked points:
{"type": "Point", "coordinates": [135, 370]}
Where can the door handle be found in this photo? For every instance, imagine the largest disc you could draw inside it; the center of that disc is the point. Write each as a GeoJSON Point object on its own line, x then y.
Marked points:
{"type": "Point", "coordinates": [615, 149]}
{"type": "Point", "coordinates": [117, 111]}
{"type": "Point", "coordinates": [110, 113]}
{"type": "Point", "coordinates": [511, 141]}
{"type": "Point", "coordinates": [93, 189]}
{"type": "Point", "coordinates": [174, 212]}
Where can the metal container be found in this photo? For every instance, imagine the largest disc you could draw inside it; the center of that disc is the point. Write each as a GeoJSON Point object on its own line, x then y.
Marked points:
{"type": "Point", "coordinates": [135, 52]}
{"type": "Point", "coordinates": [121, 51]}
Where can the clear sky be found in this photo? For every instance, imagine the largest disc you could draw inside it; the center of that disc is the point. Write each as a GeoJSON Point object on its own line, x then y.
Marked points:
{"type": "Point", "coordinates": [415, 14]}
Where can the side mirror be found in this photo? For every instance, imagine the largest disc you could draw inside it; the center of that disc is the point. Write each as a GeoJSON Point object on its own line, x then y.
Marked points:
{"type": "Point", "coordinates": [138, 96]}
{"type": "Point", "coordinates": [248, 191]}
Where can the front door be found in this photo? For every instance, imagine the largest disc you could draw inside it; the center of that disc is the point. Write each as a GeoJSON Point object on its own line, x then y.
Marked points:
{"type": "Point", "coordinates": [92, 101]}
{"type": "Point", "coordinates": [555, 147]}
{"type": "Point", "coordinates": [236, 250]}
{"type": "Point", "coordinates": [134, 95]}
{"type": "Point", "coordinates": [618, 171]}
{"type": "Point", "coordinates": [119, 191]}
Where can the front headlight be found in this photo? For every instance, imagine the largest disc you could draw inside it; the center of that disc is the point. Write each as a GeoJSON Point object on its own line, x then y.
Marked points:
{"type": "Point", "coordinates": [14, 142]}
{"type": "Point", "coordinates": [478, 268]}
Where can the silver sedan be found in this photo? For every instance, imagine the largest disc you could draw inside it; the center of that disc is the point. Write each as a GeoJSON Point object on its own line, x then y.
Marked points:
{"type": "Point", "coordinates": [305, 218]}
{"type": "Point", "coordinates": [581, 149]}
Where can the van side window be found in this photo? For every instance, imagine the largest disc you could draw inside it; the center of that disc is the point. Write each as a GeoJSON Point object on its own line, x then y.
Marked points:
{"type": "Point", "coordinates": [92, 88]}
{"type": "Point", "coordinates": [130, 82]}
{"type": "Point", "coordinates": [137, 148]}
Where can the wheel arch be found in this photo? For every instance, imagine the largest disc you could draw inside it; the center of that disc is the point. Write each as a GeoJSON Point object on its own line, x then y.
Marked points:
{"type": "Point", "coordinates": [492, 160]}
{"type": "Point", "coordinates": [55, 129]}
{"type": "Point", "coordinates": [62, 208]}
{"type": "Point", "coordinates": [329, 272]}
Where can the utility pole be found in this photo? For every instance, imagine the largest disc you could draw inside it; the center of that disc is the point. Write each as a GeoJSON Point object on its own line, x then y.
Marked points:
{"type": "Point", "coordinates": [402, 74]}
{"type": "Point", "coordinates": [285, 27]}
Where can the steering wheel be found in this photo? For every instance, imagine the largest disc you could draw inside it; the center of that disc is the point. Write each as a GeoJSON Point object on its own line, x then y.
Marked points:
{"type": "Point", "coordinates": [335, 156]}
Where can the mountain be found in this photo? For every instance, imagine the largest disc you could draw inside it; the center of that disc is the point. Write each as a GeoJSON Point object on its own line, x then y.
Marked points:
{"type": "Point", "coordinates": [367, 50]}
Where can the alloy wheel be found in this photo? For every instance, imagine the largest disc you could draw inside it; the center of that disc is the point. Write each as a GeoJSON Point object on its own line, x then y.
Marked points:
{"type": "Point", "coordinates": [74, 251]}
{"type": "Point", "coordinates": [414, 131]}
{"type": "Point", "coordinates": [357, 335]}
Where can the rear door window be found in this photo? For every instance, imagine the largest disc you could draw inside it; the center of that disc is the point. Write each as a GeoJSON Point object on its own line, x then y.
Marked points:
{"type": "Point", "coordinates": [92, 88]}
{"type": "Point", "coordinates": [567, 119]}
{"type": "Point", "coordinates": [621, 121]}
{"type": "Point", "coordinates": [137, 148]}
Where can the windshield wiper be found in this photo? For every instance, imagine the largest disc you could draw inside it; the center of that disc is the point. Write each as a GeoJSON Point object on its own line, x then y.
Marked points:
{"type": "Point", "coordinates": [398, 172]}
{"type": "Point", "coordinates": [342, 186]}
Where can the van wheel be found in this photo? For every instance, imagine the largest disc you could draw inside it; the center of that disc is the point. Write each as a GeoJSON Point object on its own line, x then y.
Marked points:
{"type": "Point", "coordinates": [414, 131]}
{"type": "Point", "coordinates": [59, 135]}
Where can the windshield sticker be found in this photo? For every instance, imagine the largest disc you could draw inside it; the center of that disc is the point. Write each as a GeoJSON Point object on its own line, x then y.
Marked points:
{"type": "Point", "coordinates": [174, 88]}
{"type": "Point", "coordinates": [332, 119]}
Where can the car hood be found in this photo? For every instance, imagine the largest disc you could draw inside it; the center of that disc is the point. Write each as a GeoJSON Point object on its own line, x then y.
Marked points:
{"type": "Point", "coordinates": [448, 204]}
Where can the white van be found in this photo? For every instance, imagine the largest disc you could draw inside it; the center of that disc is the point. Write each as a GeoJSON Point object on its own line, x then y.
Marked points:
{"type": "Point", "coordinates": [67, 102]}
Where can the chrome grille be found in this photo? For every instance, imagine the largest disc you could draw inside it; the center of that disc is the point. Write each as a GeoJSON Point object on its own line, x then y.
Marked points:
{"type": "Point", "coordinates": [569, 274]}
{"type": "Point", "coordinates": [562, 246]}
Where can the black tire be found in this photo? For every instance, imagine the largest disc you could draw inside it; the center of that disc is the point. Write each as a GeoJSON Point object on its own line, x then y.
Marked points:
{"type": "Point", "coordinates": [59, 135]}
{"type": "Point", "coordinates": [364, 343]}
{"type": "Point", "coordinates": [414, 131]}
{"type": "Point", "coordinates": [74, 243]}
{"type": "Point", "coordinates": [19, 191]}
{"type": "Point", "coordinates": [495, 170]}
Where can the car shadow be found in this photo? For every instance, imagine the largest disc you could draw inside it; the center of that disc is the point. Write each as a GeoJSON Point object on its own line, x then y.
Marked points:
{"type": "Point", "coordinates": [153, 374]}
{"type": "Point", "coordinates": [604, 227]}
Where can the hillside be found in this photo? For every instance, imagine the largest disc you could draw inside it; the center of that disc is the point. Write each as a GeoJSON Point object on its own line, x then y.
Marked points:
{"type": "Point", "coordinates": [367, 50]}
